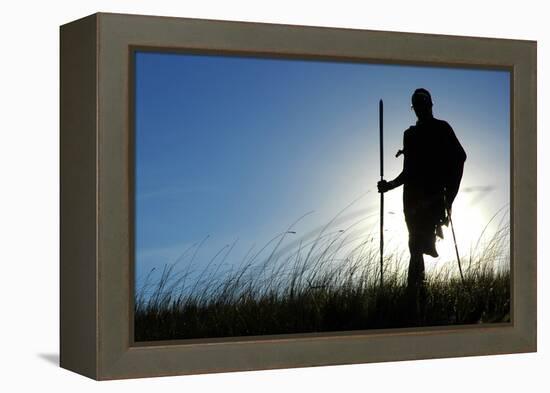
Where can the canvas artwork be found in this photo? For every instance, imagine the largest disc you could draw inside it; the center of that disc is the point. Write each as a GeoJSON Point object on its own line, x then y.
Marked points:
{"type": "Point", "coordinates": [284, 195]}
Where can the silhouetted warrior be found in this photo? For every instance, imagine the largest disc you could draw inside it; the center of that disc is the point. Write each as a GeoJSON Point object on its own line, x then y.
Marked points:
{"type": "Point", "coordinates": [432, 170]}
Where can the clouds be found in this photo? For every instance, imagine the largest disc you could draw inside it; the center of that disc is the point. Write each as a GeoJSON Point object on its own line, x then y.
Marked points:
{"type": "Point", "coordinates": [174, 191]}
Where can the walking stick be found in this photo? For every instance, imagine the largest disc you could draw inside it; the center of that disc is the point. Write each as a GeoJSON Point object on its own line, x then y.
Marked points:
{"type": "Point", "coordinates": [381, 125]}
{"type": "Point", "coordinates": [454, 239]}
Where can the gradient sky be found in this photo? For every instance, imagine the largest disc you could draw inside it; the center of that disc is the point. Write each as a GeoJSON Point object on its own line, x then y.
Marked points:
{"type": "Point", "coordinates": [238, 148]}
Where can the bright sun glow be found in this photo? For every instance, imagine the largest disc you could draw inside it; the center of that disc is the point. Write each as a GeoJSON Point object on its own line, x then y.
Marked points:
{"type": "Point", "coordinates": [469, 220]}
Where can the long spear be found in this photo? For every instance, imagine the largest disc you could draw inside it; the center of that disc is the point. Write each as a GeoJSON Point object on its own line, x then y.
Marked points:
{"type": "Point", "coordinates": [381, 125]}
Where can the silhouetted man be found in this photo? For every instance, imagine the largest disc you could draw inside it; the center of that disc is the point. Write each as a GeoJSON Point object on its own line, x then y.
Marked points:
{"type": "Point", "coordinates": [432, 170]}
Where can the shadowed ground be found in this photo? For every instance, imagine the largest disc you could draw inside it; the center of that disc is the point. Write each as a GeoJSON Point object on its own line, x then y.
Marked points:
{"type": "Point", "coordinates": [484, 299]}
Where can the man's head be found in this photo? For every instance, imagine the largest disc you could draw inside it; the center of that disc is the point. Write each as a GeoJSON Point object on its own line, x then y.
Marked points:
{"type": "Point", "coordinates": [422, 103]}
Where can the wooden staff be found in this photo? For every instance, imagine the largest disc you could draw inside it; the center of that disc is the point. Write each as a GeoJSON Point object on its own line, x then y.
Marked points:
{"type": "Point", "coordinates": [381, 125]}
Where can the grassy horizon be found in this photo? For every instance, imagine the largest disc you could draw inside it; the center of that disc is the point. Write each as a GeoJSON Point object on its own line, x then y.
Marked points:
{"type": "Point", "coordinates": [330, 283]}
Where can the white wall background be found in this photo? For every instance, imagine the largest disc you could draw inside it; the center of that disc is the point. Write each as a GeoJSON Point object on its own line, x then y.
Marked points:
{"type": "Point", "coordinates": [29, 165]}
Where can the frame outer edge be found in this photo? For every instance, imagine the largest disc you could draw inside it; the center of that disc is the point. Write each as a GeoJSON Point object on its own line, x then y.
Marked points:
{"type": "Point", "coordinates": [526, 188]}
{"type": "Point", "coordinates": [117, 358]}
{"type": "Point", "coordinates": [78, 197]}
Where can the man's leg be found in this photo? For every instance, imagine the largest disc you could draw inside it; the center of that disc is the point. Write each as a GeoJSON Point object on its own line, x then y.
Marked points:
{"type": "Point", "coordinates": [416, 272]}
{"type": "Point", "coordinates": [416, 278]}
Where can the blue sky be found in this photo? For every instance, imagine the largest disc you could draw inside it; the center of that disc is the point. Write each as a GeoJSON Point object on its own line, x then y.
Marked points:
{"type": "Point", "coordinates": [237, 148]}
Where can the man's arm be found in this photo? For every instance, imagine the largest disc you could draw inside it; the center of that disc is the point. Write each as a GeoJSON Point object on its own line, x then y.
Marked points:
{"type": "Point", "coordinates": [456, 147]}
{"type": "Point", "coordinates": [399, 180]}
{"type": "Point", "coordinates": [383, 185]}
{"type": "Point", "coordinates": [390, 185]}
{"type": "Point", "coordinates": [456, 156]}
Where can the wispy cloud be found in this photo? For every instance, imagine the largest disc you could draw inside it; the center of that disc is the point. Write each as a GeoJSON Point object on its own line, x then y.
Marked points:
{"type": "Point", "coordinates": [169, 191]}
{"type": "Point", "coordinates": [479, 192]}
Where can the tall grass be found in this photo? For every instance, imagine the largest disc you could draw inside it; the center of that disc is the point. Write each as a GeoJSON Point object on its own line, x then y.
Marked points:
{"type": "Point", "coordinates": [329, 283]}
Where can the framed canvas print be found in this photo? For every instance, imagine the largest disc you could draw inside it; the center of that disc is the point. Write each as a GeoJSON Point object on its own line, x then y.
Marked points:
{"type": "Point", "coordinates": [241, 196]}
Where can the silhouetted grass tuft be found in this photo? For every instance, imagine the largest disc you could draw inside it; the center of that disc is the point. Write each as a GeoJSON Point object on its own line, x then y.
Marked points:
{"type": "Point", "coordinates": [328, 284]}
